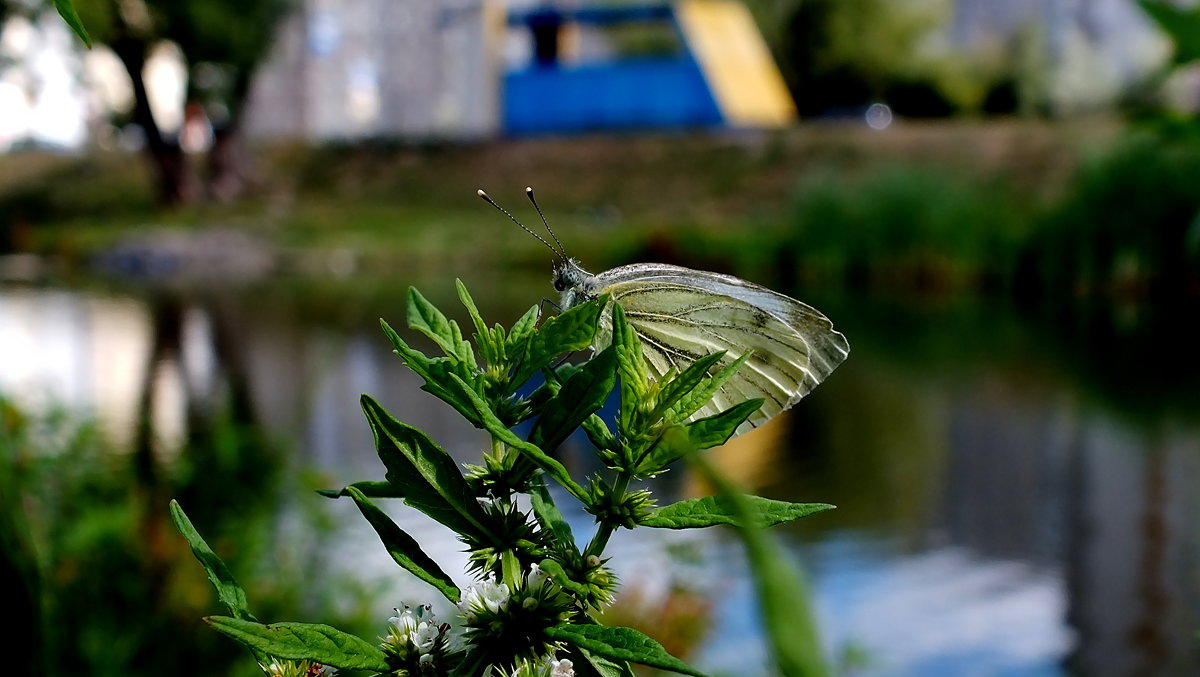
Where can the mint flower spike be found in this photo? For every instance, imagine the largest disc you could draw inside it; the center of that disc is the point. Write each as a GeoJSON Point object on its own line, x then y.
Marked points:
{"type": "Point", "coordinates": [416, 634]}
{"type": "Point", "coordinates": [546, 667]}
{"type": "Point", "coordinates": [485, 597]}
{"type": "Point", "coordinates": [301, 668]}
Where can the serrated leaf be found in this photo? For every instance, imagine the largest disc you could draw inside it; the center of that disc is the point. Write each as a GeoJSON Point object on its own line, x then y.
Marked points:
{"type": "Point", "coordinates": [500, 432]}
{"type": "Point", "coordinates": [548, 515]}
{"type": "Point", "coordinates": [67, 11]}
{"type": "Point", "coordinates": [631, 367]}
{"type": "Point", "coordinates": [435, 372]}
{"type": "Point", "coordinates": [371, 489]}
{"type": "Point", "coordinates": [583, 393]}
{"type": "Point", "coordinates": [228, 591]}
{"type": "Point", "coordinates": [625, 644]}
{"type": "Point", "coordinates": [490, 344]}
{"type": "Point", "coordinates": [602, 666]}
{"type": "Point", "coordinates": [428, 476]}
{"type": "Point", "coordinates": [425, 317]}
{"type": "Point", "coordinates": [703, 392]}
{"type": "Point", "coordinates": [566, 333]}
{"type": "Point", "coordinates": [304, 641]}
{"type": "Point", "coordinates": [715, 430]}
{"type": "Point", "coordinates": [683, 384]}
{"type": "Point", "coordinates": [676, 441]}
{"type": "Point", "coordinates": [598, 432]}
{"type": "Point", "coordinates": [403, 548]}
{"type": "Point", "coordinates": [697, 513]}
{"type": "Point", "coordinates": [522, 329]}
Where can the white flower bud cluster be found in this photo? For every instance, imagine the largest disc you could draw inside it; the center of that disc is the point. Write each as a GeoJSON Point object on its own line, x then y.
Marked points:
{"type": "Point", "coordinates": [485, 597]}
{"type": "Point", "coordinates": [302, 668]}
{"type": "Point", "coordinates": [416, 631]}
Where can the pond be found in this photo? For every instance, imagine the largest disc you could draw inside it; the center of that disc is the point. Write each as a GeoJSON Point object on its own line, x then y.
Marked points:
{"type": "Point", "coordinates": [1016, 488]}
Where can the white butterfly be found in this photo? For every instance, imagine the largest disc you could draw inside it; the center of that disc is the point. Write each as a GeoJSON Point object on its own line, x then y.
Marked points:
{"type": "Point", "coordinates": [682, 315]}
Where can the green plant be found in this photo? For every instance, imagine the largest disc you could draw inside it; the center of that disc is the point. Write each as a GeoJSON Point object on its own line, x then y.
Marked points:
{"type": "Point", "coordinates": [531, 608]}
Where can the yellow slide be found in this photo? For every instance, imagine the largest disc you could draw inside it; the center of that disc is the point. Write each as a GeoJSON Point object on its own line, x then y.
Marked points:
{"type": "Point", "coordinates": [736, 63]}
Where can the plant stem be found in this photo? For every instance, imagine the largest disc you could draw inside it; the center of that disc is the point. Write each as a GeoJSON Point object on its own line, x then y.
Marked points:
{"type": "Point", "coordinates": [600, 540]}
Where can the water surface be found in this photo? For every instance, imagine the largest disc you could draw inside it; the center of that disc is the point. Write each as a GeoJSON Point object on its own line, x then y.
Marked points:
{"type": "Point", "coordinates": [1015, 489]}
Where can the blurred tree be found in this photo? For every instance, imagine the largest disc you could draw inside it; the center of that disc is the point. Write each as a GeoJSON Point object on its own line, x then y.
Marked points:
{"type": "Point", "coordinates": [222, 42]}
{"type": "Point", "coordinates": [843, 54]}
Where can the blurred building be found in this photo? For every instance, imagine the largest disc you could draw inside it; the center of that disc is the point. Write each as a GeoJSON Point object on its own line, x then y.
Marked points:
{"type": "Point", "coordinates": [1084, 53]}
{"type": "Point", "coordinates": [365, 68]}
{"type": "Point", "coordinates": [474, 68]}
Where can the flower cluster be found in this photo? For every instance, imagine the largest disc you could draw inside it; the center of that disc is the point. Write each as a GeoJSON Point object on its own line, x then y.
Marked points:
{"type": "Point", "coordinates": [415, 641]}
{"type": "Point", "coordinates": [302, 668]}
{"type": "Point", "coordinates": [548, 666]}
{"type": "Point", "coordinates": [486, 598]}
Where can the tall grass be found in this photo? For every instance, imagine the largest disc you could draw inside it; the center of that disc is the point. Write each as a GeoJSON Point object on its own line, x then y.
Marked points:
{"type": "Point", "coordinates": [915, 227]}
{"type": "Point", "coordinates": [1128, 223]}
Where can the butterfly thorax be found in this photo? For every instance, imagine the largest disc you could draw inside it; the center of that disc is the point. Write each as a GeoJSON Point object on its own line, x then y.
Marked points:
{"type": "Point", "coordinates": [576, 284]}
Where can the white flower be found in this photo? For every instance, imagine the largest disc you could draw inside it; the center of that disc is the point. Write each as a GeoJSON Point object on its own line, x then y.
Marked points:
{"type": "Point", "coordinates": [547, 667]}
{"type": "Point", "coordinates": [301, 668]}
{"type": "Point", "coordinates": [536, 577]}
{"type": "Point", "coordinates": [415, 631]}
{"type": "Point", "coordinates": [486, 596]}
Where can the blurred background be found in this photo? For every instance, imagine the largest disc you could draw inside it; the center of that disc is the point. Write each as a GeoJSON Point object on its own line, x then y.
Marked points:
{"type": "Point", "coordinates": [203, 217]}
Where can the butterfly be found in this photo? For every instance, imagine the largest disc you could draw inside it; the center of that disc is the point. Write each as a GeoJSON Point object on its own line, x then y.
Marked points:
{"type": "Point", "coordinates": [681, 315]}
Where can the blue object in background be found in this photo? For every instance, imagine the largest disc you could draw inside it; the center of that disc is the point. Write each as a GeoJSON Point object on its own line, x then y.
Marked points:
{"type": "Point", "coordinates": [668, 91]}
{"type": "Point", "coordinates": [625, 94]}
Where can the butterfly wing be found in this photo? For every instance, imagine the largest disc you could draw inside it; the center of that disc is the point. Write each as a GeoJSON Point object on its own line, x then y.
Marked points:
{"type": "Point", "coordinates": [682, 314]}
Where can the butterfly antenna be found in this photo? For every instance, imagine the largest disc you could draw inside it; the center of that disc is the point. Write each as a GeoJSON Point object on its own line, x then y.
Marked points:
{"type": "Point", "coordinates": [489, 200]}
{"type": "Point", "coordinates": [562, 252]}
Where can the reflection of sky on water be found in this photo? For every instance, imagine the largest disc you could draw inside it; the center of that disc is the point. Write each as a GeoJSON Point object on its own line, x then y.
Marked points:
{"type": "Point", "coordinates": [939, 612]}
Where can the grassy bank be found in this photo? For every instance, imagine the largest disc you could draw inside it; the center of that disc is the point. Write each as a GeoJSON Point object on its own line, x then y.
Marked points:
{"type": "Point", "coordinates": [938, 206]}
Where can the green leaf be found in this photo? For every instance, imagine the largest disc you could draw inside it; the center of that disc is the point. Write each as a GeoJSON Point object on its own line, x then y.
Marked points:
{"type": "Point", "coordinates": [581, 396]}
{"type": "Point", "coordinates": [696, 513]}
{"type": "Point", "coordinates": [67, 11]}
{"type": "Point", "coordinates": [304, 641]}
{"type": "Point", "coordinates": [715, 430]}
{"type": "Point", "coordinates": [782, 591]}
{"type": "Point", "coordinates": [522, 330]}
{"type": "Point", "coordinates": [566, 333]}
{"type": "Point", "coordinates": [559, 575]}
{"type": "Point", "coordinates": [676, 441]}
{"type": "Point", "coordinates": [631, 366]}
{"type": "Point", "coordinates": [435, 371]}
{"type": "Point", "coordinates": [228, 591]}
{"type": "Point", "coordinates": [490, 344]}
{"type": "Point", "coordinates": [403, 548]}
{"type": "Point", "coordinates": [1181, 23]}
{"type": "Point", "coordinates": [424, 317]}
{"type": "Point", "coordinates": [428, 476]}
{"type": "Point", "coordinates": [603, 666]}
{"type": "Point", "coordinates": [367, 488]}
{"type": "Point", "coordinates": [683, 384]}
{"type": "Point", "coordinates": [548, 515]}
{"type": "Point", "coordinates": [501, 432]}
{"type": "Point", "coordinates": [702, 393]}
{"type": "Point", "coordinates": [623, 644]}
{"type": "Point", "coordinates": [599, 434]}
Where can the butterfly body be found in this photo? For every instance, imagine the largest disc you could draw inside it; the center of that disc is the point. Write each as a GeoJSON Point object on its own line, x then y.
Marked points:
{"type": "Point", "coordinates": [682, 314]}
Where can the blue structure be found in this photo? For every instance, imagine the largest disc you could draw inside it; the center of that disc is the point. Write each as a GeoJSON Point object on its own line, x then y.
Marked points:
{"type": "Point", "coordinates": [644, 92]}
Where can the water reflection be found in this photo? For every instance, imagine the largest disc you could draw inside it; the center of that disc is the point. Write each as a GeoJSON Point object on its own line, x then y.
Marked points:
{"type": "Point", "coordinates": [1001, 509]}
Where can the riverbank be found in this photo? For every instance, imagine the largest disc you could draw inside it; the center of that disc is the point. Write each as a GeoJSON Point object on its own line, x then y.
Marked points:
{"type": "Point", "coordinates": [1081, 207]}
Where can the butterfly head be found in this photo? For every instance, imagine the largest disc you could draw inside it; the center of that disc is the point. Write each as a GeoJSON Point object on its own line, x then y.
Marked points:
{"type": "Point", "coordinates": [574, 283]}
